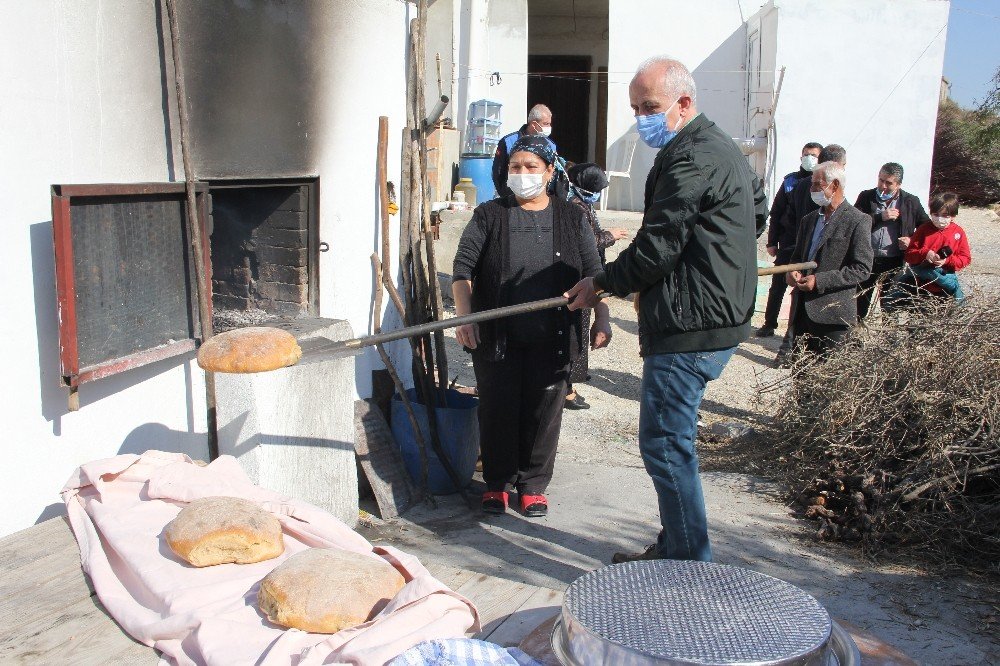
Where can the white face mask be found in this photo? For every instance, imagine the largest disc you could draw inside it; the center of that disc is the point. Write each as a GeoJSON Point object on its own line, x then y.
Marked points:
{"type": "Point", "coordinates": [525, 185]}
{"type": "Point", "coordinates": [809, 162]}
{"type": "Point", "coordinates": [820, 198]}
{"type": "Point", "coordinates": [546, 131]}
{"type": "Point", "coordinates": [940, 222]}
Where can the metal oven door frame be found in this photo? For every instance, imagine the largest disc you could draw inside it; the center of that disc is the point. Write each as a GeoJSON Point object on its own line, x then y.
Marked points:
{"type": "Point", "coordinates": [63, 197]}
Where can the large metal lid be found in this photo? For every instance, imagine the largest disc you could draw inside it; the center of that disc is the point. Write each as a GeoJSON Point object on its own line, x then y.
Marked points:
{"type": "Point", "coordinates": [691, 613]}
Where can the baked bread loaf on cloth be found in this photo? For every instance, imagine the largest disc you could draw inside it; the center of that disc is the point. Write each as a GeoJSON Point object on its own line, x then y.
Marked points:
{"type": "Point", "coordinates": [325, 590]}
{"type": "Point", "coordinates": [222, 530]}
{"type": "Point", "coordinates": [251, 349]}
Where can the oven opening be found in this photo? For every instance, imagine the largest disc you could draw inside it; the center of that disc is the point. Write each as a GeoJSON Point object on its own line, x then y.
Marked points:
{"type": "Point", "coordinates": [264, 251]}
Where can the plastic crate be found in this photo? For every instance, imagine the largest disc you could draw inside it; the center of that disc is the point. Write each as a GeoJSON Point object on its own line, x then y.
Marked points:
{"type": "Point", "coordinates": [484, 129]}
{"type": "Point", "coordinates": [485, 109]}
{"type": "Point", "coordinates": [481, 145]}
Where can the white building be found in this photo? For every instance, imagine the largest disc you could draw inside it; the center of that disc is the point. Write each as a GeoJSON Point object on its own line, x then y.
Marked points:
{"type": "Point", "coordinates": [290, 92]}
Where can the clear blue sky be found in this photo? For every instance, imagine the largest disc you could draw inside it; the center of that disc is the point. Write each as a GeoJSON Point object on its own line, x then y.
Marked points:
{"type": "Point", "coordinates": [972, 54]}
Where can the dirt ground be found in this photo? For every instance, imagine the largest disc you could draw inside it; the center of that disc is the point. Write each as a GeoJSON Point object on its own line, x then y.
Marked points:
{"type": "Point", "coordinates": [602, 500]}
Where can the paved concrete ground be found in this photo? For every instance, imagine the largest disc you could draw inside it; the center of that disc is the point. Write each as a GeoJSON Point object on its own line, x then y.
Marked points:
{"type": "Point", "coordinates": [602, 501]}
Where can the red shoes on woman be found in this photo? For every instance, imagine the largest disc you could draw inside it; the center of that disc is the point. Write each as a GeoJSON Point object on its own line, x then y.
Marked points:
{"type": "Point", "coordinates": [533, 506]}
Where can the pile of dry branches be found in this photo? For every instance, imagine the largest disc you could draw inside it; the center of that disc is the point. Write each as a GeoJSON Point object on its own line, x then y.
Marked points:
{"type": "Point", "coordinates": [892, 440]}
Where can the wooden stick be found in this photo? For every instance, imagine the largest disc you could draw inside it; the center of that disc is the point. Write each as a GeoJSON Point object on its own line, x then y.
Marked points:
{"type": "Point", "coordinates": [431, 416]}
{"type": "Point", "coordinates": [422, 491]}
{"type": "Point", "coordinates": [193, 223]}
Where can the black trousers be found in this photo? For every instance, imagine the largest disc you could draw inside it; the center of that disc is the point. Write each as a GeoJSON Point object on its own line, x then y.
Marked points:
{"type": "Point", "coordinates": [520, 414]}
{"type": "Point", "coordinates": [777, 291]}
{"type": "Point", "coordinates": [866, 291]}
{"type": "Point", "coordinates": [817, 338]}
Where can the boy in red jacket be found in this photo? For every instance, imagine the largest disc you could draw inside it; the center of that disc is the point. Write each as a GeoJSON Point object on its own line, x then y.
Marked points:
{"type": "Point", "coordinates": [938, 250]}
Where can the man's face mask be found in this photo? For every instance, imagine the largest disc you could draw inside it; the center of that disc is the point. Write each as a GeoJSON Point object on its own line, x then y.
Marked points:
{"type": "Point", "coordinates": [819, 198]}
{"type": "Point", "coordinates": [653, 129]}
{"type": "Point", "coordinates": [809, 162]}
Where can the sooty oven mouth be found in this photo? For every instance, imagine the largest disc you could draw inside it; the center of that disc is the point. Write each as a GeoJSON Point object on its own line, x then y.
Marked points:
{"type": "Point", "coordinates": [264, 251]}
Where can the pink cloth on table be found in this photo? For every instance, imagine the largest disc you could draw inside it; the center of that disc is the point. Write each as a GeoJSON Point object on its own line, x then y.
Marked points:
{"type": "Point", "coordinates": [118, 508]}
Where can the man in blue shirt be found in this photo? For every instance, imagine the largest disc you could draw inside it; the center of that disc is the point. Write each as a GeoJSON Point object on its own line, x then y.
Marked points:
{"type": "Point", "coordinates": [539, 123]}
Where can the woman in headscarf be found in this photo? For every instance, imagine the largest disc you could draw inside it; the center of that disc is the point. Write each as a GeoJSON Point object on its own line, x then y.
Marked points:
{"type": "Point", "coordinates": [585, 185]}
{"type": "Point", "coordinates": [517, 249]}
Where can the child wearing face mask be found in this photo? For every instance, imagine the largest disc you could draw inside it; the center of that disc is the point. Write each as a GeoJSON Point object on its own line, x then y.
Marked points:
{"type": "Point", "coordinates": [937, 251]}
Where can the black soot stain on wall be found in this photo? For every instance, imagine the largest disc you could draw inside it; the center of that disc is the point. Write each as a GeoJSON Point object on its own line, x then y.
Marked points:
{"type": "Point", "coordinates": [252, 70]}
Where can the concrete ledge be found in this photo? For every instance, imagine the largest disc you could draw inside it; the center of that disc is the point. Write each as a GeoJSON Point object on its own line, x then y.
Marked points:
{"type": "Point", "coordinates": [292, 429]}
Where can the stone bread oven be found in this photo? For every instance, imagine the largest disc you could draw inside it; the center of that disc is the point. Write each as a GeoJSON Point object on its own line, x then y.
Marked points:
{"type": "Point", "coordinates": [292, 430]}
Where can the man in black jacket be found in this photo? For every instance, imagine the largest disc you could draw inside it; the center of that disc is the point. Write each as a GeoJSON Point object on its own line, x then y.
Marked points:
{"type": "Point", "coordinates": [895, 216]}
{"type": "Point", "coordinates": [837, 236]}
{"type": "Point", "coordinates": [781, 235]}
{"type": "Point", "coordinates": [694, 265]}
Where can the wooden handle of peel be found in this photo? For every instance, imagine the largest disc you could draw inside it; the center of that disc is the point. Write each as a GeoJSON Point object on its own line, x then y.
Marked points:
{"type": "Point", "coordinates": [786, 268]}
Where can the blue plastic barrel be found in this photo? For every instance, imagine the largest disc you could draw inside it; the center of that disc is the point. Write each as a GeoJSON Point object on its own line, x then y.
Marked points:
{"type": "Point", "coordinates": [480, 169]}
{"type": "Point", "coordinates": [458, 429]}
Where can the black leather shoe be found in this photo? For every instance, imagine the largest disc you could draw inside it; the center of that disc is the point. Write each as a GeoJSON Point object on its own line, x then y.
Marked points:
{"type": "Point", "coordinates": [576, 402]}
{"type": "Point", "coordinates": [765, 331]}
{"type": "Point", "coordinates": [650, 553]}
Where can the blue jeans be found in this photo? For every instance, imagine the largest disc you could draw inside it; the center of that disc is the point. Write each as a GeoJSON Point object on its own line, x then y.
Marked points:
{"type": "Point", "coordinates": [904, 286]}
{"type": "Point", "coordinates": [672, 388]}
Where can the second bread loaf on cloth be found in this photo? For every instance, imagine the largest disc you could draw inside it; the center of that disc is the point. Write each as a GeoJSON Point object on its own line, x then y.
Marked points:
{"type": "Point", "coordinates": [119, 509]}
{"type": "Point", "coordinates": [328, 589]}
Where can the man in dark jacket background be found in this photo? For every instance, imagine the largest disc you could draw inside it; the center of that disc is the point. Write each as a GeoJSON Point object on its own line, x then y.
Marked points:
{"type": "Point", "coordinates": [694, 264]}
{"type": "Point", "coordinates": [781, 234]}
{"type": "Point", "coordinates": [895, 216]}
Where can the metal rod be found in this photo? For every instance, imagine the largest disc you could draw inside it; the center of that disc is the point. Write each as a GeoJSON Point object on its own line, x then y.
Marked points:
{"type": "Point", "coordinates": [431, 326]}
{"type": "Point", "coordinates": [507, 311]}
{"type": "Point", "coordinates": [194, 230]}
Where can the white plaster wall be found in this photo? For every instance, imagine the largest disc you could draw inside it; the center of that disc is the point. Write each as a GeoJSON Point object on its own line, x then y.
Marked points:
{"type": "Point", "coordinates": [707, 36]}
{"type": "Point", "coordinates": [84, 103]}
{"type": "Point", "coordinates": [357, 90]}
{"type": "Point", "coordinates": [508, 53]}
{"type": "Point", "coordinates": [441, 41]}
{"type": "Point", "coordinates": [81, 104]}
{"type": "Point", "coordinates": [838, 90]}
{"type": "Point", "coordinates": [555, 35]}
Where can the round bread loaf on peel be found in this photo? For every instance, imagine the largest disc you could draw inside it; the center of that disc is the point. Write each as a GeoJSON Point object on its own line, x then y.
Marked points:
{"type": "Point", "coordinates": [251, 349]}
{"type": "Point", "coordinates": [325, 590]}
{"type": "Point", "coordinates": [222, 530]}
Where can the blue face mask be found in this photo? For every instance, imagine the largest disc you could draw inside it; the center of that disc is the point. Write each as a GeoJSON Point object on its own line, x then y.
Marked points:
{"type": "Point", "coordinates": [653, 129]}
{"type": "Point", "coordinates": [883, 196]}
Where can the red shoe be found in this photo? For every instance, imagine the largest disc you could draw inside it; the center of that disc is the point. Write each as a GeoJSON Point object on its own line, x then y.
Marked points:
{"type": "Point", "coordinates": [495, 502]}
{"type": "Point", "coordinates": [534, 506]}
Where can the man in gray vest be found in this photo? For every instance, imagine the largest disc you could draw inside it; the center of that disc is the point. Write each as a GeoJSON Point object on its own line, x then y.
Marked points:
{"type": "Point", "coordinates": [694, 265]}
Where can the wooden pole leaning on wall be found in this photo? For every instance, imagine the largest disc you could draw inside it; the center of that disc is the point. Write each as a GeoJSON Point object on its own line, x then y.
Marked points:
{"type": "Point", "coordinates": [434, 289]}
{"type": "Point", "coordinates": [383, 269]}
{"type": "Point", "coordinates": [194, 229]}
{"type": "Point", "coordinates": [426, 279]}
{"type": "Point", "coordinates": [420, 491]}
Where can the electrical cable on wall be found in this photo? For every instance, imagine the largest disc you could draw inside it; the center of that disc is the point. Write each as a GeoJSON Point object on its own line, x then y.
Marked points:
{"type": "Point", "coordinates": [898, 83]}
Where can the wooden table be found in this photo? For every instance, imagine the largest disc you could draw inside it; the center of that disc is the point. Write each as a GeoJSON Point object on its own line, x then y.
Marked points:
{"type": "Point", "coordinates": [50, 614]}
